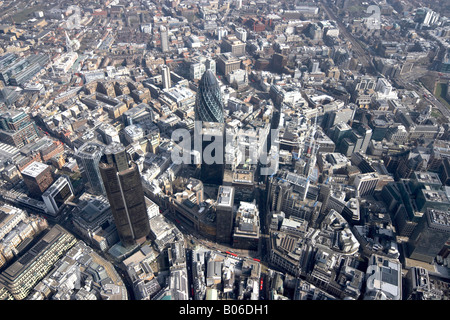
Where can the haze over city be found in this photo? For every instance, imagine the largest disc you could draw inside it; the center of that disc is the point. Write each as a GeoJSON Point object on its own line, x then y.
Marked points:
{"type": "Point", "coordinates": [228, 150]}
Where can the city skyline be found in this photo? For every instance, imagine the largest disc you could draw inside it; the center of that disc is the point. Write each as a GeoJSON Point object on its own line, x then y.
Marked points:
{"type": "Point", "coordinates": [232, 150]}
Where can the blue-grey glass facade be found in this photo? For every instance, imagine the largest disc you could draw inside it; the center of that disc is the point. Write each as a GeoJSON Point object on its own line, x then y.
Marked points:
{"type": "Point", "coordinates": [88, 158]}
{"type": "Point", "coordinates": [209, 103]}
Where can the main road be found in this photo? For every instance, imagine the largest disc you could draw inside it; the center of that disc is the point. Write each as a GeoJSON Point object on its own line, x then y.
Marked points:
{"type": "Point", "coordinates": [361, 54]}
{"type": "Point", "coordinates": [365, 58]}
{"type": "Point", "coordinates": [425, 93]}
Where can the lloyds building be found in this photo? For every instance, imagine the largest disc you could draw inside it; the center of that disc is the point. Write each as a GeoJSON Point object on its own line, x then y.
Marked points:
{"type": "Point", "coordinates": [125, 194]}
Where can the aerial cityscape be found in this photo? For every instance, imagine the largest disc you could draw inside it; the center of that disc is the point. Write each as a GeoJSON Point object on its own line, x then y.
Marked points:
{"type": "Point", "coordinates": [228, 150]}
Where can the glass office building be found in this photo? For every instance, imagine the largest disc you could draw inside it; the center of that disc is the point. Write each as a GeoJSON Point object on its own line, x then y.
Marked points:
{"type": "Point", "coordinates": [209, 103]}
{"type": "Point", "coordinates": [88, 158]}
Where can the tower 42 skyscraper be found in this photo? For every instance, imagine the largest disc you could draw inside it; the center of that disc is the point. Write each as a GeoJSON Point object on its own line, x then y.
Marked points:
{"type": "Point", "coordinates": [124, 190]}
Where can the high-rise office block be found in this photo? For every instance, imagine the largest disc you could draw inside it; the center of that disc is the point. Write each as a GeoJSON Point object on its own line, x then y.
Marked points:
{"type": "Point", "coordinates": [444, 171]}
{"type": "Point", "coordinates": [227, 63]}
{"type": "Point", "coordinates": [246, 231]}
{"type": "Point", "coordinates": [224, 214]}
{"type": "Point", "coordinates": [288, 192]}
{"type": "Point", "coordinates": [342, 115]}
{"type": "Point", "coordinates": [279, 61]}
{"type": "Point", "coordinates": [432, 199]}
{"type": "Point", "coordinates": [283, 188]}
{"type": "Point", "coordinates": [430, 235]}
{"type": "Point", "coordinates": [17, 129]}
{"type": "Point", "coordinates": [221, 32]}
{"type": "Point", "coordinates": [210, 64]}
{"type": "Point", "coordinates": [366, 132]}
{"type": "Point", "coordinates": [400, 203]}
{"type": "Point", "coordinates": [140, 114]}
{"type": "Point", "coordinates": [209, 103]}
{"type": "Point", "coordinates": [339, 132]}
{"type": "Point", "coordinates": [233, 45]}
{"type": "Point", "coordinates": [424, 180]}
{"type": "Point", "coordinates": [124, 190]}
{"type": "Point", "coordinates": [37, 177]}
{"type": "Point", "coordinates": [88, 157]}
{"type": "Point", "coordinates": [165, 72]}
{"type": "Point", "coordinates": [241, 34]}
{"type": "Point", "coordinates": [196, 70]}
{"type": "Point", "coordinates": [57, 194]}
{"type": "Point", "coordinates": [212, 151]}
{"type": "Point", "coordinates": [366, 183]}
{"type": "Point", "coordinates": [199, 65]}
{"type": "Point", "coordinates": [314, 66]}
{"type": "Point", "coordinates": [164, 39]}
{"type": "Point", "coordinates": [15, 71]}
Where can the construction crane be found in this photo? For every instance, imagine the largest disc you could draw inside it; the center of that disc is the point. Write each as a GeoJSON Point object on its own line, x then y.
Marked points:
{"type": "Point", "coordinates": [311, 151]}
{"type": "Point", "coordinates": [68, 43]}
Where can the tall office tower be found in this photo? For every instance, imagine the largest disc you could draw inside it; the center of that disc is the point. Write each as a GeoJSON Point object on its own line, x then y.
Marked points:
{"type": "Point", "coordinates": [399, 203]}
{"type": "Point", "coordinates": [336, 116]}
{"type": "Point", "coordinates": [165, 72]}
{"type": "Point", "coordinates": [366, 183]}
{"type": "Point", "coordinates": [212, 150]}
{"type": "Point", "coordinates": [58, 194]}
{"type": "Point", "coordinates": [124, 190]}
{"type": "Point", "coordinates": [164, 39]}
{"type": "Point", "coordinates": [246, 232]}
{"type": "Point", "coordinates": [196, 70]}
{"type": "Point", "coordinates": [444, 171]}
{"type": "Point", "coordinates": [430, 235]}
{"type": "Point", "coordinates": [241, 34]}
{"type": "Point", "coordinates": [314, 66]}
{"type": "Point", "coordinates": [209, 103]}
{"type": "Point", "coordinates": [224, 214]}
{"type": "Point", "coordinates": [37, 177]}
{"type": "Point", "coordinates": [88, 157]}
{"type": "Point", "coordinates": [366, 132]}
{"type": "Point", "coordinates": [227, 63]}
{"type": "Point", "coordinates": [278, 62]}
{"type": "Point", "coordinates": [232, 44]}
{"type": "Point", "coordinates": [221, 32]}
{"type": "Point", "coordinates": [210, 64]}
{"type": "Point", "coordinates": [17, 129]}
{"type": "Point", "coordinates": [339, 132]}
{"type": "Point", "coordinates": [287, 193]}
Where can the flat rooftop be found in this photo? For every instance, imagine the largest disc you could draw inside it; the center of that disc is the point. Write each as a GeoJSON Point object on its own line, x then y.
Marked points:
{"type": "Point", "coordinates": [225, 196]}
{"type": "Point", "coordinates": [428, 177]}
{"type": "Point", "coordinates": [435, 195]}
{"type": "Point", "coordinates": [91, 148]}
{"type": "Point", "coordinates": [439, 217]}
{"type": "Point", "coordinates": [35, 169]}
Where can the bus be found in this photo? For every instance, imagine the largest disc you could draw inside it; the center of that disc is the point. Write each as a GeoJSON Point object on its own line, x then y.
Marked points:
{"type": "Point", "coordinates": [231, 253]}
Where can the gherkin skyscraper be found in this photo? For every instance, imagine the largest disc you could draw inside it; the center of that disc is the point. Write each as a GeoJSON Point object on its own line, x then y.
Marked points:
{"type": "Point", "coordinates": [209, 103]}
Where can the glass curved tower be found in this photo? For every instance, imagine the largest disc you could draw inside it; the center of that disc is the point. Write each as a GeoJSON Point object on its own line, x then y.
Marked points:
{"type": "Point", "coordinates": [88, 158]}
{"type": "Point", "coordinates": [209, 103]}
